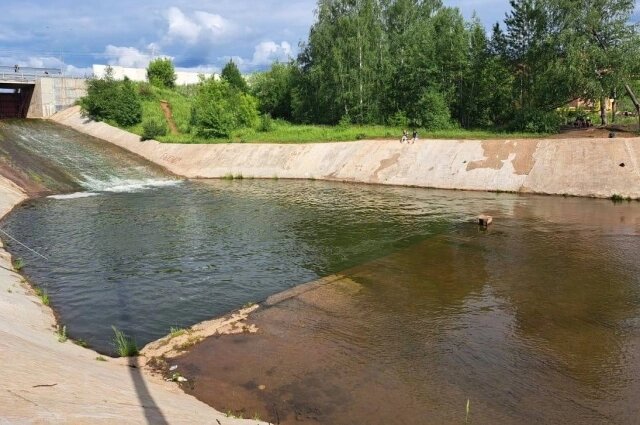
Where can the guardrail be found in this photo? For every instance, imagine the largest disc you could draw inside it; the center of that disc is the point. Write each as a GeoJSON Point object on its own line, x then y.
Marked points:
{"type": "Point", "coordinates": [27, 74]}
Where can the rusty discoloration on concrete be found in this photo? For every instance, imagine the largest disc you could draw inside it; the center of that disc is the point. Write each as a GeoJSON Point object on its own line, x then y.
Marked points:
{"type": "Point", "coordinates": [496, 152]}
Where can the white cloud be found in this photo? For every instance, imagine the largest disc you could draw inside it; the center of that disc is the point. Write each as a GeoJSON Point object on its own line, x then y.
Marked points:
{"type": "Point", "coordinates": [268, 52]}
{"type": "Point", "coordinates": [126, 56]}
{"type": "Point", "coordinates": [201, 27]}
{"type": "Point", "coordinates": [264, 54]}
{"type": "Point", "coordinates": [181, 27]}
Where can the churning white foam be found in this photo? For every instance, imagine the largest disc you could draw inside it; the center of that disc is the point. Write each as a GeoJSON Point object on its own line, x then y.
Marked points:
{"type": "Point", "coordinates": [74, 195]}
{"type": "Point", "coordinates": [116, 184]}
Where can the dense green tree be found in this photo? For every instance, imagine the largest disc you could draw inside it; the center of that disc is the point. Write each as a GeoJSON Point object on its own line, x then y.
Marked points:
{"type": "Point", "coordinates": [231, 74]}
{"type": "Point", "coordinates": [418, 62]}
{"type": "Point", "coordinates": [161, 73]}
{"type": "Point", "coordinates": [273, 89]}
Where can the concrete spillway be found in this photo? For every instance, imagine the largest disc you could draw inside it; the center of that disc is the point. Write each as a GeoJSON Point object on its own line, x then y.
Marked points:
{"type": "Point", "coordinates": [578, 167]}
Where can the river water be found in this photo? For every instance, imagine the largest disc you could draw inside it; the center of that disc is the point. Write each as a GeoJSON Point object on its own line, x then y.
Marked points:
{"type": "Point", "coordinates": [535, 320]}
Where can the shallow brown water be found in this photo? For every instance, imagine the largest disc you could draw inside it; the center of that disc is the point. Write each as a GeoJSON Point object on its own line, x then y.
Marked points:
{"type": "Point", "coordinates": [535, 321]}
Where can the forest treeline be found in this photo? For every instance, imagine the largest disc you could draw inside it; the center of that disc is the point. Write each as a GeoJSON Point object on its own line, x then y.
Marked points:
{"type": "Point", "coordinates": [420, 63]}
{"type": "Point", "coordinates": [401, 63]}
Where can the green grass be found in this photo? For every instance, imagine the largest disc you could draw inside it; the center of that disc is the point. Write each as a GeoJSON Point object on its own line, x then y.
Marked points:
{"type": "Point", "coordinates": [124, 344]}
{"type": "Point", "coordinates": [61, 331]}
{"type": "Point", "coordinates": [285, 132]}
{"type": "Point", "coordinates": [18, 264]}
{"type": "Point", "coordinates": [42, 294]}
{"type": "Point", "coordinates": [101, 359]}
{"type": "Point", "coordinates": [81, 342]}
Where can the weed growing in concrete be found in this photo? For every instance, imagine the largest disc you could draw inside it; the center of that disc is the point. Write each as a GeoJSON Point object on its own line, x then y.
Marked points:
{"type": "Point", "coordinates": [45, 298]}
{"type": "Point", "coordinates": [174, 332]}
{"type": "Point", "coordinates": [230, 414]}
{"type": "Point", "coordinates": [101, 359]}
{"type": "Point", "coordinates": [42, 294]}
{"type": "Point", "coordinates": [18, 264]}
{"type": "Point", "coordinates": [81, 342]}
{"type": "Point", "coordinates": [124, 344]}
{"type": "Point", "coordinates": [193, 340]}
{"type": "Point", "coordinates": [61, 331]}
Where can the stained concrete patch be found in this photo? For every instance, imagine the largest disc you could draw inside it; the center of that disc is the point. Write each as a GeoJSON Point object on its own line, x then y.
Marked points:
{"type": "Point", "coordinates": [384, 164]}
{"type": "Point", "coordinates": [496, 152]}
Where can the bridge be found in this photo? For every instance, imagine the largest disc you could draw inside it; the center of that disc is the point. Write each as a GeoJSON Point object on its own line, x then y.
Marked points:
{"type": "Point", "coordinates": [27, 92]}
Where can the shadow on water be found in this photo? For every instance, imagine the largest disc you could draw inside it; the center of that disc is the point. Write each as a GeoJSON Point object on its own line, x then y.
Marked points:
{"type": "Point", "coordinates": [152, 412]}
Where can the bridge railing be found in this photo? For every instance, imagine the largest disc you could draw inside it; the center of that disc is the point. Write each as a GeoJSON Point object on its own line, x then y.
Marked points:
{"type": "Point", "coordinates": [27, 74]}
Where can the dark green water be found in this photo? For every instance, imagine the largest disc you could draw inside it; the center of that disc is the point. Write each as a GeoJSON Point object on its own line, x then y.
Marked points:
{"type": "Point", "coordinates": [174, 256]}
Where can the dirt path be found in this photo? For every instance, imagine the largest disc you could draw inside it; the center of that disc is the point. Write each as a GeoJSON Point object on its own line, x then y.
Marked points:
{"type": "Point", "coordinates": [168, 115]}
{"type": "Point", "coordinates": [592, 132]}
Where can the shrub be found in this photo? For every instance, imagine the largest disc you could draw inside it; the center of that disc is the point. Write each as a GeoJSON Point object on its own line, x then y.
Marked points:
{"type": "Point", "coordinates": [161, 73]}
{"type": "Point", "coordinates": [220, 108]}
{"type": "Point", "coordinates": [128, 108]}
{"type": "Point", "coordinates": [399, 119]}
{"type": "Point", "coordinates": [266, 123]}
{"type": "Point", "coordinates": [536, 121]}
{"type": "Point", "coordinates": [431, 112]}
{"type": "Point", "coordinates": [145, 91]}
{"type": "Point", "coordinates": [153, 128]}
{"type": "Point", "coordinates": [111, 100]}
{"type": "Point", "coordinates": [344, 122]}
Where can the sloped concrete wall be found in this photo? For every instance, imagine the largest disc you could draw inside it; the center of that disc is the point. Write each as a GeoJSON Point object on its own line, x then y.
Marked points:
{"type": "Point", "coordinates": [579, 167]}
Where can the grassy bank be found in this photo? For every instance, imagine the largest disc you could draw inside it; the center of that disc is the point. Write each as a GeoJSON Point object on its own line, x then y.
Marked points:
{"type": "Point", "coordinates": [282, 131]}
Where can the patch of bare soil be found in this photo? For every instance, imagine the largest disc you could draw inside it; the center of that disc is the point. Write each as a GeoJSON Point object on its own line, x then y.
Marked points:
{"type": "Point", "coordinates": [595, 132]}
{"type": "Point", "coordinates": [168, 115]}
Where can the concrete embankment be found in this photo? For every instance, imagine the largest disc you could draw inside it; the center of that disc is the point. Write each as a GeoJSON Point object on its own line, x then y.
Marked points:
{"type": "Point", "coordinates": [579, 167]}
{"type": "Point", "coordinates": [46, 381]}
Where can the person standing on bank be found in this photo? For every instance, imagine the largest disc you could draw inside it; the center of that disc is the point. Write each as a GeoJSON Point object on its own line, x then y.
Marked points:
{"type": "Point", "coordinates": [405, 136]}
{"type": "Point", "coordinates": [415, 136]}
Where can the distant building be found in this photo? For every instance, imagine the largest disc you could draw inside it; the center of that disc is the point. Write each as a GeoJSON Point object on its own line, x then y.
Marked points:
{"type": "Point", "coordinates": [140, 74]}
{"type": "Point", "coordinates": [588, 104]}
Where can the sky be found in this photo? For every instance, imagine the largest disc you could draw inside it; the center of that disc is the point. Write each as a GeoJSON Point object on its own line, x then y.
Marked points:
{"type": "Point", "coordinates": [196, 34]}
